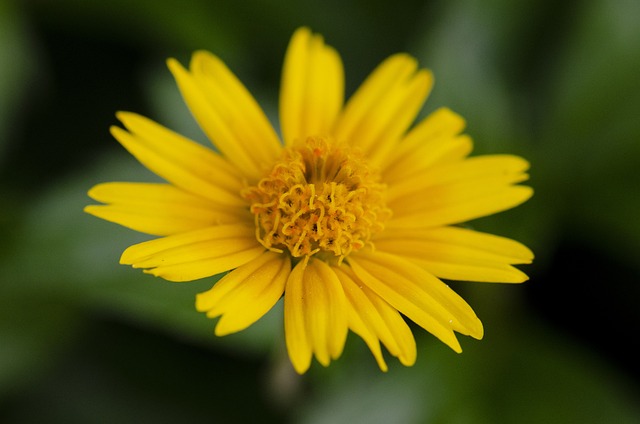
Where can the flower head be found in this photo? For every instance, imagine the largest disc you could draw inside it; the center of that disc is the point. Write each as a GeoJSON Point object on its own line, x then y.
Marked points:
{"type": "Point", "coordinates": [352, 214]}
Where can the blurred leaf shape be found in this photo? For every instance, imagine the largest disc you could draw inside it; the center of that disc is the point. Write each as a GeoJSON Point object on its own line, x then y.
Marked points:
{"type": "Point", "coordinates": [590, 145]}
{"type": "Point", "coordinates": [465, 47]}
{"type": "Point", "coordinates": [536, 377]}
{"type": "Point", "coordinates": [34, 332]}
{"type": "Point", "coordinates": [160, 24]}
{"type": "Point", "coordinates": [65, 254]}
{"type": "Point", "coordinates": [17, 71]}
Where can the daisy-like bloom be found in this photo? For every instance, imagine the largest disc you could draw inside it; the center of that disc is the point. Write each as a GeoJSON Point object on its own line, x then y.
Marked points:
{"type": "Point", "coordinates": [352, 214]}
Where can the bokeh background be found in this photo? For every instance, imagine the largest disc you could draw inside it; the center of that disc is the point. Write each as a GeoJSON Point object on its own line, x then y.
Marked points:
{"type": "Point", "coordinates": [85, 340]}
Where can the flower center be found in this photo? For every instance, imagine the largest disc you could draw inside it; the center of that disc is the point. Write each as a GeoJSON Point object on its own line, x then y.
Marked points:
{"type": "Point", "coordinates": [318, 198]}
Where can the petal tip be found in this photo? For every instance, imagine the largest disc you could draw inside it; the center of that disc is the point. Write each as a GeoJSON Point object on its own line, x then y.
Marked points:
{"type": "Point", "coordinates": [200, 302]}
{"type": "Point", "coordinates": [172, 63]}
{"type": "Point", "coordinates": [126, 258]}
{"type": "Point", "coordinates": [301, 365]}
{"type": "Point", "coordinates": [478, 332]}
{"type": "Point", "coordinates": [117, 132]}
{"type": "Point", "coordinates": [222, 330]}
{"type": "Point", "coordinates": [122, 115]}
{"type": "Point", "coordinates": [302, 32]}
{"type": "Point", "coordinates": [175, 67]}
{"type": "Point", "coordinates": [407, 361]}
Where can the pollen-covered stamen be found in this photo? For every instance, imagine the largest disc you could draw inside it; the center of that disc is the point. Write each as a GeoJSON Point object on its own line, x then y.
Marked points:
{"type": "Point", "coordinates": [319, 197]}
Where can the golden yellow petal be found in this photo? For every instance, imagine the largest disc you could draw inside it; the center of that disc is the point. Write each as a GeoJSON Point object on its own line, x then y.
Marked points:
{"type": "Point", "coordinates": [357, 325]}
{"type": "Point", "coordinates": [383, 126]}
{"type": "Point", "coordinates": [484, 273]}
{"type": "Point", "coordinates": [236, 107]}
{"type": "Point", "coordinates": [403, 301]}
{"type": "Point", "coordinates": [401, 335]}
{"type": "Point", "coordinates": [247, 293]}
{"type": "Point", "coordinates": [441, 122]}
{"type": "Point", "coordinates": [429, 136]}
{"type": "Point", "coordinates": [488, 170]}
{"type": "Point", "coordinates": [212, 298]}
{"type": "Point", "coordinates": [159, 209]}
{"type": "Point", "coordinates": [198, 251]}
{"type": "Point", "coordinates": [197, 254]}
{"type": "Point", "coordinates": [318, 300]}
{"type": "Point", "coordinates": [433, 152]}
{"type": "Point", "coordinates": [326, 311]}
{"type": "Point", "coordinates": [126, 193]}
{"type": "Point", "coordinates": [183, 163]}
{"type": "Point", "coordinates": [149, 248]}
{"type": "Point", "coordinates": [374, 320]}
{"type": "Point", "coordinates": [360, 313]}
{"type": "Point", "coordinates": [384, 107]}
{"type": "Point", "coordinates": [157, 222]}
{"type": "Point", "coordinates": [189, 271]}
{"type": "Point", "coordinates": [239, 152]}
{"type": "Point", "coordinates": [459, 254]}
{"type": "Point", "coordinates": [418, 295]}
{"type": "Point", "coordinates": [312, 88]}
{"type": "Point", "coordinates": [297, 340]}
{"type": "Point", "coordinates": [455, 203]}
{"type": "Point", "coordinates": [250, 302]}
{"type": "Point", "coordinates": [504, 249]}
{"type": "Point", "coordinates": [224, 173]}
{"type": "Point", "coordinates": [397, 68]}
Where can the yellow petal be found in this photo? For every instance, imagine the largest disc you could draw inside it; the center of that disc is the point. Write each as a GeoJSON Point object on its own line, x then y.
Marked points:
{"type": "Point", "coordinates": [296, 337]}
{"type": "Point", "coordinates": [210, 301]}
{"type": "Point", "coordinates": [441, 122]}
{"type": "Point", "coordinates": [198, 251]}
{"type": "Point", "coordinates": [418, 295]}
{"type": "Point", "coordinates": [180, 161]}
{"type": "Point", "coordinates": [158, 209]}
{"type": "Point", "coordinates": [477, 167]}
{"type": "Point", "coordinates": [486, 273]}
{"type": "Point", "coordinates": [189, 271]}
{"type": "Point", "coordinates": [225, 173]}
{"type": "Point", "coordinates": [384, 107]}
{"type": "Point", "coordinates": [149, 248]}
{"type": "Point", "coordinates": [455, 203]}
{"type": "Point", "coordinates": [240, 152]}
{"type": "Point", "coordinates": [508, 169]}
{"type": "Point", "coordinates": [358, 326]}
{"type": "Point", "coordinates": [236, 107]}
{"type": "Point", "coordinates": [428, 143]}
{"type": "Point", "coordinates": [197, 254]}
{"type": "Point", "coordinates": [375, 320]}
{"type": "Point", "coordinates": [459, 254]}
{"type": "Point", "coordinates": [325, 311]}
{"type": "Point", "coordinates": [394, 70]}
{"type": "Point", "coordinates": [502, 248]}
{"type": "Point", "coordinates": [436, 151]}
{"type": "Point", "coordinates": [401, 335]}
{"type": "Point", "coordinates": [359, 309]}
{"type": "Point", "coordinates": [316, 313]}
{"type": "Point", "coordinates": [247, 293]}
{"type": "Point", "coordinates": [312, 89]}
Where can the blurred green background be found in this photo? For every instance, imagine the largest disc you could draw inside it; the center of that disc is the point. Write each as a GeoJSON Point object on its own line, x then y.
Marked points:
{"type": "Point", "coordinates": [85, 340]}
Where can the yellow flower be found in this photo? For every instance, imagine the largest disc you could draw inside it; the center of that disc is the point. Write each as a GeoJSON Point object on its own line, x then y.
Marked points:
{"type": "Point", "coordinates": [351, 214]}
